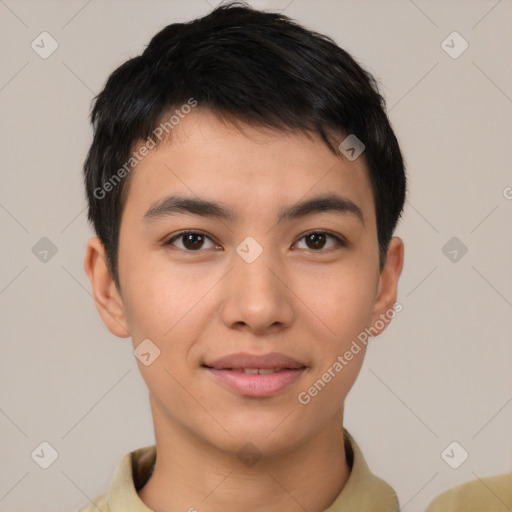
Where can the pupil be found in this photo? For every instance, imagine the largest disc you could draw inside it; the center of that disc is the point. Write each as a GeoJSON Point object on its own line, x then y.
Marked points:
{"type": "Point", "coordinates": [315, 238]}
{"type": "Point", "coordinates": [190, 243]}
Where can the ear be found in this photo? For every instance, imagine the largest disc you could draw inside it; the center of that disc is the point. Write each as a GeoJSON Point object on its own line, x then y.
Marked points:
{"type": "Point", "coordinates": [388, 283]}
{"type": "Point", "coordinates": [106, 296]}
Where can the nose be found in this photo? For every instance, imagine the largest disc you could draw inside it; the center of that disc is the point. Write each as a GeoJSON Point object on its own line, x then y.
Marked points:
{"type": "Point", "coordinates": [257, 297]}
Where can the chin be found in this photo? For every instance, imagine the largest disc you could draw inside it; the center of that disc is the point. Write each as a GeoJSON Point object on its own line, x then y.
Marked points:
{"type": "Point", "coordinates": [271, 438]}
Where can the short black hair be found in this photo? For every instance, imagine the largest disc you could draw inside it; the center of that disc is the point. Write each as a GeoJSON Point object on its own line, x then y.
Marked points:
{"type": "Point", "coordinates": [244, 64]}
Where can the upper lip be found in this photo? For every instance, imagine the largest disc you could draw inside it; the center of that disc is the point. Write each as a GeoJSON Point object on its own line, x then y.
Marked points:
{"type": "Point", "coordinates": [244, 360]}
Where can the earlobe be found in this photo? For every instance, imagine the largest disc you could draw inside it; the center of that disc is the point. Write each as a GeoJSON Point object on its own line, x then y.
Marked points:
{"type": "Point", "coordinates": [388, 283]}
{"type": "Point", "coordinates": [106, 296]}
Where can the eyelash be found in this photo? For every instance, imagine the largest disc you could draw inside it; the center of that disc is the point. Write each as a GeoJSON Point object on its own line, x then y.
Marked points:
{"type": "Point", "coordinates": [339, 240]}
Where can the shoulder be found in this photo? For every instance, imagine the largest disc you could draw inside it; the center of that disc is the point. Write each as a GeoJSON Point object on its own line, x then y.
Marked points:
{"type": "Point", "coordinates": [131, 474]}
{"type": "Point", "coordinates": [491, 494]}
{"type": "Point", "coordinates": [98, 503]}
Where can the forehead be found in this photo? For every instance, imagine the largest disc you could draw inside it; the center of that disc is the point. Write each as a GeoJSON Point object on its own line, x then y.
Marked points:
{"type": "Point", "coordinates": [253, 170]}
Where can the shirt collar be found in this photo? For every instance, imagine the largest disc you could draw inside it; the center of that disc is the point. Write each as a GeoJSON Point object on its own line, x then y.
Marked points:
{"type": "Point", "coordinates": [363, 490]}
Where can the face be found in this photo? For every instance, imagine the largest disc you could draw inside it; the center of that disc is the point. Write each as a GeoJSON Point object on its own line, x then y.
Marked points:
{"type": "Point", "coordinates": [256, 282]}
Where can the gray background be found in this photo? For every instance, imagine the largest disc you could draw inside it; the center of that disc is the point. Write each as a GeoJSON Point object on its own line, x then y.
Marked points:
{"type": "Point", "coordinates": [440, 373]}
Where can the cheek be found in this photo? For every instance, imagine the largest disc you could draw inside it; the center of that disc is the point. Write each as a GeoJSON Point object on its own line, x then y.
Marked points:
{"type": "Point", "coordinates": [342, 301]}
{"type": "Point", "coordinates": [345, 309]}
{"type": "Point", "coordinates": [163, 302]}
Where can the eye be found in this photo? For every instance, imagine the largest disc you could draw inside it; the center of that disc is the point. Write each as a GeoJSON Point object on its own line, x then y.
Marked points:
{"type": "Point", "coordinates": [316, 240]}
{"type": "Point", "coordinates": [191, 241]}
{"type": "Point", "coordinates": [194, 241]}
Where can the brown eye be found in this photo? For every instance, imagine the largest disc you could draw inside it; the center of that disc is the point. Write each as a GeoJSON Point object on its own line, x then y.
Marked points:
{"type": "Point", "coordinates": [316, 240]}
{"type": "Point", "coordinates": [191, 241]}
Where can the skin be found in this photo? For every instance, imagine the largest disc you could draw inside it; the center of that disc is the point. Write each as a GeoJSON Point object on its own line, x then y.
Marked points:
{"type": "Point", "coordinates": [306, 302]}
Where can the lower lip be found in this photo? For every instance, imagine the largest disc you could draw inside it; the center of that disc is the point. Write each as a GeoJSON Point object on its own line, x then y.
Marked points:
{"type": "Point", "coordinates": [256, 385]}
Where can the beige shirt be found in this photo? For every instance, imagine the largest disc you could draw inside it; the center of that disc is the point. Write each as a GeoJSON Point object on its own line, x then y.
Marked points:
{"type": "Point", "coordinates": [490, 494]}
{"type": "Point", "coordinates": [363, 491]}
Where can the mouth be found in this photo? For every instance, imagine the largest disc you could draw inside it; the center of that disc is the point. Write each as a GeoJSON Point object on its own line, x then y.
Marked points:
{"type": "Point", "coordinates": [253, 371]}
{"type": "Point", "coordinates": [255, 376]}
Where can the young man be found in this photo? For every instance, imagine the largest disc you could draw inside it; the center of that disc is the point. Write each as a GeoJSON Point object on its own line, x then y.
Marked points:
{"type": "Point", "coordinates": [244, 183]}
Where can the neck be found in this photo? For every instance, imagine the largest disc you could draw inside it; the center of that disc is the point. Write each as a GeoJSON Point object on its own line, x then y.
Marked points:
{"type": "Point", "coordinates": [190, 475]}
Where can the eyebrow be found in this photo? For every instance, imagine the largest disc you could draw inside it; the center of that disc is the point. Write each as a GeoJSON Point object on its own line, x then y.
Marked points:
{"type": "Point", "coordinates": [172, 205]}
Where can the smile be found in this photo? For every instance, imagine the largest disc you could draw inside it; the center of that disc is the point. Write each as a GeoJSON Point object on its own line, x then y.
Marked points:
{"type": "Point", "coordinates": [255, 375]}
